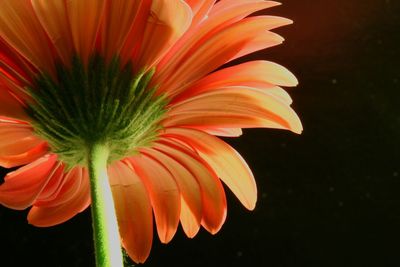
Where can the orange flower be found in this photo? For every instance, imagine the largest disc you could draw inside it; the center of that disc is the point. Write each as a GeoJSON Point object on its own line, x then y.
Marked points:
{"type": "Point", "coordinates": [140, 77]}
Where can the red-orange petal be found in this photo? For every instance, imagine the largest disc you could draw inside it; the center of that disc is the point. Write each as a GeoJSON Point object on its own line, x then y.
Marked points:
{"type": "Point", "coordinates": [18, 144]}
{"type": "Point", "coordinates": [85, 17]}
{"type": "Point", "coordinates": [54, 19]}
{"type": "Point", "coordinates": [49, 215]}
{"type": "Point", "coordinates": [21, 187]}
{"type": "Point", "coordinates": [225, 161]}
{"type": "Point", "coordinates": [119, 17]}
{"type": "Point", "coordinates": [10, 105]}
{"type": "Point", "coordinates": [164, 194]}
{"type": "Point", "coordinates": [213, 195]}
{"type": "Point", "coordinates": [20, 27]}
{"type": "Point", "coordinates": [134, 38]}
{"type": "Point", "coordinates": [133, 209]}
{"type": "Point", "coordinates": [13, 66]}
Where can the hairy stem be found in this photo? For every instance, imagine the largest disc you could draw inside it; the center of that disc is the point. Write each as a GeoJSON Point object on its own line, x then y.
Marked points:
{"type": "Point", "coordinates": [105, 226]}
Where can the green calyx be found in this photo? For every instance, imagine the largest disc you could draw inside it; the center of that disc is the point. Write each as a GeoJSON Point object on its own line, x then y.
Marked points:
{"type": "Point", "coordinates": [99, 104]}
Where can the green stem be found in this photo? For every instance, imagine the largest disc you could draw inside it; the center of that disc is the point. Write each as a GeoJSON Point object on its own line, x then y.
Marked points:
{"type": "Point", "coordinates": [105, 227]}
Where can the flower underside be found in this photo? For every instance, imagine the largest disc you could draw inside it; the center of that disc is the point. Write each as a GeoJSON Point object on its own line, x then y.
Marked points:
{"type": "Point", "coordinates": [103, 103]}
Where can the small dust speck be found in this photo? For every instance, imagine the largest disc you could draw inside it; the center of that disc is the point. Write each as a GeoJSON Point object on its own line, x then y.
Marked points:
{"type": "Point", "coordinates": [340, 203]}
{"type": "Point", "coordinates": [334, 81]}
{"type": "Point", "coordinates": [331, 189]}
{"type": "Point", "coordinates": [239, 254]}
{"type": "Point", "coordinates": [395, 174]}
{"type": "Point", "coordinates": [264, 195]}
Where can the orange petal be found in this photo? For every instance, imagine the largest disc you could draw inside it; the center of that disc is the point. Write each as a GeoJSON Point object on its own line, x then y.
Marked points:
{"type": "Point", "coordinates": [244, 37]}
{"type": "Point", "coordinates": [246, 105]}
{"type": "Point", "coordinates": [225, 161]}
{"type": "Point", "coordinates": [190, 223]}
{"type": "Point", "coordinates": [168, 20]}
{"type": "Point", "coordinates": [60, 189]}
{"type": "Point", "coordinates": [119, 16]}
{"type": "Point", "coordinates": [54, 19]}
{"type": "Point", "coordinates": [226, 132]}
{"type": "Point", "coordinates": [44, 216]}
{"type": "Point", "coordinates": [20, 27]}
{"type": "Point", "coordinates": [85, 17]}
{"type": "Point", "coordinates": [212, 192]}
{"type": "Point", "coordinates": [189, 189]}
{"type": "Point", "coordinates": [200, 9]}
{"type": "Point", "coordinates": [258, 74]}
{"type": "Point", "coordinates": [164, 195]}
{"type": "Point", "coordinates": [21, 187]}
{"type": "Point", "coordinates": [230, 5]}
{"type": "Point", "coordinates": [133, 209]}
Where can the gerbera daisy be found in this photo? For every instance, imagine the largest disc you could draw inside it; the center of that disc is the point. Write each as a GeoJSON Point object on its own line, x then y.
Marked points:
{"type": "Point", "coordinates": [118, 103]}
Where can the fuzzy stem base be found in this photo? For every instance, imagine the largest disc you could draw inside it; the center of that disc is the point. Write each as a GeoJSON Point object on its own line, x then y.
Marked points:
{"type": "Point", "coordinates": [105, 227]}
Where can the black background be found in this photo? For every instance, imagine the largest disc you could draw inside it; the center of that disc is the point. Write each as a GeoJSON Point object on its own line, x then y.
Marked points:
{"type": "Point", "coordinates": [328, 197]}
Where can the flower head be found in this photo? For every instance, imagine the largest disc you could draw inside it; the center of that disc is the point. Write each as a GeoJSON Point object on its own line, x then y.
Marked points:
{"type": "Point", "coordinates": [140, 78]}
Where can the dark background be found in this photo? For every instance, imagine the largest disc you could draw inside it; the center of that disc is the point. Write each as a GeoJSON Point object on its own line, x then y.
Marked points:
{"type": "Point", "coordinates": [329, 197]}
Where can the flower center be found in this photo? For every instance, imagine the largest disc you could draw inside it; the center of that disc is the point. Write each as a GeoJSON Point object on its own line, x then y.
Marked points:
{"type": "Point", "coordinates": [99, 104]}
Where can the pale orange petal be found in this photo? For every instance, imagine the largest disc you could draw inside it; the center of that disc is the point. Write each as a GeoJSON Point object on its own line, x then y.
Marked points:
{"type": "Point", "coordinates": [44, 216]}
{"type": "Point", "coordinates": [20, 27]}
{"type": "Point", "coordinates": [164, 195]}
{"type": "Point", "coordinates": [225, 161]}
{"type": "Point", "coordinates": [85, 17]}
{"type": "Point", "coordinates": [54, 19]}
{"type": "Point", "coordinates": [244, 37]}
{"type": "Point", "coordinates": [133, 209]}
{"type": "Point", "coordinates": [197, 36]}
{"type": "Point", "coordinates": [280, 94]}
{"type": "Point", "coordinates": [168, 20]}
{"type": "Point", "coordinates": [240, 103]}
{"type": "Point", "coordinates": [258, 73]}
{"type": "Point", "coordinates": [213, 195]}
{"type": "Point", "coordinates": [21, 187]}
{"type": "Point", "coordinates": [188, 187]}
{"type": "Point", "coordinates": [209, 27]}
